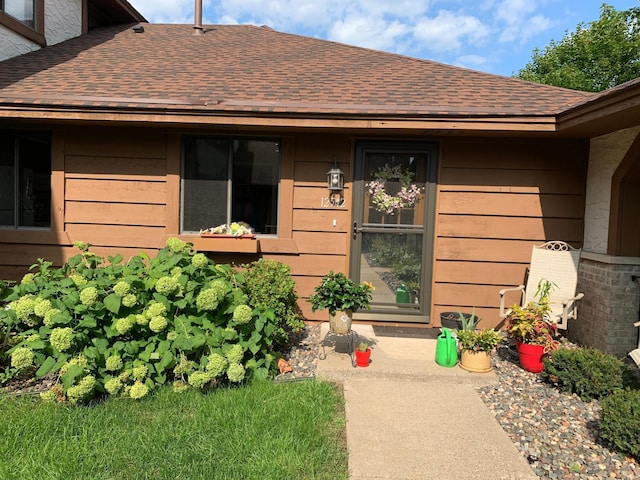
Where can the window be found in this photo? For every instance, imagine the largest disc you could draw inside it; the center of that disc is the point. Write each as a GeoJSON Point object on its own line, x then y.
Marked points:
{"type": "Point", "coordinates": [21, 10]}
{"type": "Point", "coordinates": [228, 180]}
{"type": "Point", "coordinates": [25, 179]}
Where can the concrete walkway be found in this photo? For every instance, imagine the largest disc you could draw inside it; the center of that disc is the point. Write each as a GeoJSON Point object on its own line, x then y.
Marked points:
{"type": "Point", "coordinates": [410, 419]}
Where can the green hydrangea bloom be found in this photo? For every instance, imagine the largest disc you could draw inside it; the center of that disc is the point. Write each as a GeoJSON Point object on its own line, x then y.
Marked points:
{"type": "Point", "coordinates": [179, 386]}
{"type": "Point", "coordinates": [61, 338]}
{"type": "Point", "coordinates": [232, 331]}
{"type": "Point", "coordinates": [22, 358]}
{"type": "Point", "coordinates": [78, 280]}
{"type": "Point", "coordinates": [24, 307]}
{"type": "Point", "coordinates": [27, 279]}
{"type": "Point", "coordinates": [221, 287]}
{"type": "Point", "coordinates": [121, 288]}
{"type": "Point", "coordinates": [172, 335]}
{"type": "Point", "coordinates": [41, 307]}
{"type": "Point", "coordinates": [49, 396]}
{"type": "Point", "coordinates": [199, 379]}
{"type": "Point", "coordinates": [176, 272]}
{"type": "Point", "coordinates": [199, 260]}
{"type": "Point", "coordinates": [113, 363]}
{"type": "Point", "coordinates": [48, 317]}
{"type": "Point", "coordinates": [207, 300]}
{"type": "Point", "coordinates": [123, 325]}
{"type": "Point", "coordinates": [82, 391]}
{"type": "Point", "coordinates": [33, 338]}
{"type": "Point", "coordinates": [138, 373]}
{"type": "Point", "coordinates": [89, 296]}
{"type": "Point", "coordinates": [124, 376]}
{"type": "Point", "coordinates": [216, 364]}
{"type": "Point", "coordinates": [138, 390]}
{"type": "Point", "coordinates": [158, 324]}
{"type": "Point", "coordinates": [113, 386]}
{"type": "Point", "coordinates": [155, 309]}
{"type": "Point", "coordinates": [235, 354]}
{"type": "Point", "coordinates": [184, 366]}
{"type": "Point", "coordinates": [167, 285]}
{"type": "Point", "coordinates": [176, 245]}
{"type": "Point", "coordinates": [235, 372]}
{"type": "Point", "coordinates": [129, 300]}
{"type": "Point", "coordinates": [242, 314]}
{"type": "Point", "coordinates": [80, 360]}
{"type": "Point", "coordinates": [142, 319]}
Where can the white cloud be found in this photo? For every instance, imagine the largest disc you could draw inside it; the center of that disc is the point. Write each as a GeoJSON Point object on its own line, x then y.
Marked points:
{"type": "Point", "coordinates": [370, 32]}
{"type": "Point", "coordinates": [518, 22]}
{"type": "Point", "coordinates": [447, 30]}
{"type": "Point", "coordinates": [471, 61]}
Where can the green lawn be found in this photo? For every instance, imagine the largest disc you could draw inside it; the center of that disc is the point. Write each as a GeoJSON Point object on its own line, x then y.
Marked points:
{"type": "Point", "coordinates": [262, 431]}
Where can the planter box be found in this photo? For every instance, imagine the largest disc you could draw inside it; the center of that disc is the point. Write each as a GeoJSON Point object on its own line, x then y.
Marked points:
{"type": "Point", "coordinates": [210, 242]}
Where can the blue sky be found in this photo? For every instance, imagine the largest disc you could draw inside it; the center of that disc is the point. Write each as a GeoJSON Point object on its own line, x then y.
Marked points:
{"type": "Point", "coordinates": [495, 36]}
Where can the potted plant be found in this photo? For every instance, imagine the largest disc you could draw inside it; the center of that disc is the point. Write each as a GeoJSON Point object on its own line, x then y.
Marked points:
{"type": "Point", "coordinates": [341, 296]}
{"type": "Point", "coordinates": [363, 353]}
{"type": "Point", "coordinates": [532, 329]}
{"type": "Point", "coordinates": [476, 347]}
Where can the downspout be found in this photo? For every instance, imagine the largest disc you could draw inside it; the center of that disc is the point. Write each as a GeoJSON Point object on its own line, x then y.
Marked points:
{"type": "Point", "coordinates": [197, 19]}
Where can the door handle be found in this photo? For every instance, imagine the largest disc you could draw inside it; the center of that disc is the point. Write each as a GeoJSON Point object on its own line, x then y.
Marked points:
{"type": "Point", "coordinates": [356, 230]}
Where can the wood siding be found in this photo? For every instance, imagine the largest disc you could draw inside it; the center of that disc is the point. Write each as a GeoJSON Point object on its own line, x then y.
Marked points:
{"type": "Point", "coordinates": [496, 200]}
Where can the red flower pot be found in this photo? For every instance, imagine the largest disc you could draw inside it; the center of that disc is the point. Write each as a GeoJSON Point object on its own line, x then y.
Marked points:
{"type": "Point", "coordinates": [362, 358]}
{"type": "Point", "coordinates": [531, 357]}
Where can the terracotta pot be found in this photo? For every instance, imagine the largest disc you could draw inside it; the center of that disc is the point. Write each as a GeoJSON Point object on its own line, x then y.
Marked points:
{"type": "Point", "coordinates": [478, 362]}
{"type": "Point", "coordinates": [530, 357]}
{"type": "Point", "coordinates": [362, 358]}
{"type": "Point", "coordinates": [341, 321]}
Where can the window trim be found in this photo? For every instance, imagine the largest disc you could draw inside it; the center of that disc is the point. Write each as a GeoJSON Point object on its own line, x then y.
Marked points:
{"type": "Point", "coordinates": [231, 139]}
{"type": "Point", "coordinates": [35, 34]}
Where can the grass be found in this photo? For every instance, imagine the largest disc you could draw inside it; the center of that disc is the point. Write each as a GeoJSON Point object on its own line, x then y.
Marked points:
{"type": "Point", "coordinates": [263, 431]}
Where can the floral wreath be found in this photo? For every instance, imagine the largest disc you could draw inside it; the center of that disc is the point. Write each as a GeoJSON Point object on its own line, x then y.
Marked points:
{"type": "Point", "coordinates": [406, 197]}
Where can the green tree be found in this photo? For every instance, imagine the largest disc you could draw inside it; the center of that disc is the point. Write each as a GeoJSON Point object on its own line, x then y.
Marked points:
{"type": "Point", "coordinates": [598, 55]}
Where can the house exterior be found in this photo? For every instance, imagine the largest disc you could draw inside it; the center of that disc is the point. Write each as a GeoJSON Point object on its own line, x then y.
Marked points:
{"type": "Point", "coordinates": [131, 133]}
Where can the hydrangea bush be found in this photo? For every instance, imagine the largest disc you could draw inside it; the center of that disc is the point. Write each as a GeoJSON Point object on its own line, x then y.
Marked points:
{"type": "Point", "coordinates": [115, 328]}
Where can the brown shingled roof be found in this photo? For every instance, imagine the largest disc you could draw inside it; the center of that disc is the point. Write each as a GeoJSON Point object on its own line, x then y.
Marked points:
{"type": "Point", "coordinates": [234, 68]}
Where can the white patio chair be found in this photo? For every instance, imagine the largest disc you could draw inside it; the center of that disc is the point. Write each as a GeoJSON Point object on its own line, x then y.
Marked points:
{"type": "Point", "coordinates": [556, 262]}
{"type": "Point", "coordinates": [635, 354]}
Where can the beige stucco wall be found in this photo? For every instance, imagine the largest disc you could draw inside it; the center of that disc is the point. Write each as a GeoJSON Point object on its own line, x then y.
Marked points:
{"type": "Point", "coordinates": [62, 21]}
{"type": "Point", "coordinates": [606, 154]}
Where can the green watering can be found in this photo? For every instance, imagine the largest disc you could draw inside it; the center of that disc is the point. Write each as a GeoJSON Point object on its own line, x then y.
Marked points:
{"type": "Point", "coordinates": [446, 349]}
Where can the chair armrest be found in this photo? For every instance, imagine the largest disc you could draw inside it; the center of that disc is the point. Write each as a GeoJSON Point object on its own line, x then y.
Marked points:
{"type": "Point", "coordinates": [567, 305]}
{"type": "Point", "coordinates": [637, 324]}
{"type": "Point", "coordinates": [503, 312]}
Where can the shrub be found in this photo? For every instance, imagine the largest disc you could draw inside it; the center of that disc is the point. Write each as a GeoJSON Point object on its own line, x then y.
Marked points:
{"type": "Point", "coordinates": [269, 286]}
{"type": "Point", "coordinates": [620, 424]}
{"type": "Point", "coordinates": [101, 325]}
{"type": "Point", "coordinates": [588, 372]}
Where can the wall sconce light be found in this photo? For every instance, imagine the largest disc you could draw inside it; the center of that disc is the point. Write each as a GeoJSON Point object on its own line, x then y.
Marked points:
{"type": "Point", "coordinates": [335, 178]}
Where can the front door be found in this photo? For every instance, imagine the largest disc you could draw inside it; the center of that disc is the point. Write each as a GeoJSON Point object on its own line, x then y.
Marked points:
{"type": "Point", "coordinates": [392, 238]}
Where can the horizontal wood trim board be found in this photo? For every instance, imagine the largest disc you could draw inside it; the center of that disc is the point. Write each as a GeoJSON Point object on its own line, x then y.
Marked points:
{"type": "Point", "coordinates": [321, 220]}
{"type": "Point", "coordinates": [312, 173]}
{"type": "Point", "coordinates": [27, 236]}
{"type": "Point", "coordinates": [527, 181]}
{"type": "Point", "coordinates": [115, 213]}
{"type": "Point", "coordinates": [286, 246]}
{"type": "Point", "coordinates": [512, 204]}
{"type": "Point", "coordinates": [312, 198]}
{"type": "Point", "coordinates": [321, 243]}
{"type": "Point", "coordinates": [116, 168]}
{"type": "Point", "coordinates": [12, 272]}
{"type": "Point", "coordinates": [478, 295]}
{"type": "Point", "coordinates": [224, 245]}
{"type": "Point", "coordinates": [123, 143]}
{"type": "Point", "coordinates": [118, 235]}
{"type": "Point", "coordinates": [484, 250]}
{"type": "Point", "coordinates": [312, 265]}
{"type": "Point", "coordinates": [531, 228]}
{"type": "Point", "coordinates": [99, 190]}
{"type": "Point", "coordinates": [481, 273]}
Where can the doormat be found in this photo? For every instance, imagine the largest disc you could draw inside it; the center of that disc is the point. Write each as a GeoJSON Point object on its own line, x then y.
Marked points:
{"type": "Point", "coordinates": [406, 332]}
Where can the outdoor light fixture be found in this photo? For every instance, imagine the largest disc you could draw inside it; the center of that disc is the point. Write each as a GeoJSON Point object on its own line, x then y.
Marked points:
{"type": "Point", "coordinates": [335, 184]}
{"type": "Point", "coordinates": [335, 178]}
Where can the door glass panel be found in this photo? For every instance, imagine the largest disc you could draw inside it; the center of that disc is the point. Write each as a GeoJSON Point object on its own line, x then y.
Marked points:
{"type": "Point", "coordinates": [392, 262]}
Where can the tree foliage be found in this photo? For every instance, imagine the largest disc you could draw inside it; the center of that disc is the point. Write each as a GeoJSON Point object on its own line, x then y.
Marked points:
{"type": "Point", "coordinates": [598, 55]}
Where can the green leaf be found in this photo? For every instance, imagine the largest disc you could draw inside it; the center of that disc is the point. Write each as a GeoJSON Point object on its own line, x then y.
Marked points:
{"type": "Point", "coordinates": [46, 367]}
{"type": "Point", "coordinates": [112, 302]}
{"type": "Point", "coordinates": [88, 321]}
{"type": "Point", "coordinates": [131, 348]}
{"type": "Point", "coordinates": [71, 375]}
{"type": "Point", "coordinates": [167, 358]}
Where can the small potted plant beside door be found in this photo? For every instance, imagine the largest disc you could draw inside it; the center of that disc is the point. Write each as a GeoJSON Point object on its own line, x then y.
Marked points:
{"type": "Point", "coordinates": [341, 296]}
{"type": "Point", "coordinates": [363, 354]}
{"type": "Point", "coordinates": [476, 347]}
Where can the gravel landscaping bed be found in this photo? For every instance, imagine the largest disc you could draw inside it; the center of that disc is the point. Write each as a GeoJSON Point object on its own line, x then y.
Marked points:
{"type": "Point", "coordinates": [557, 433]}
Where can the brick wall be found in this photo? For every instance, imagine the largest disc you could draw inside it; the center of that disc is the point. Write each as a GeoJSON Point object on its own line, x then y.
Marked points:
{"type": "Point", "coordinates": [610, 306]}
